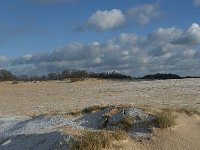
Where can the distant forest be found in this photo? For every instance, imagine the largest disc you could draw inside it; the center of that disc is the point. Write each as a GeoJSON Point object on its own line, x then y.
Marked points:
{"type": "Point", "coordinates": [75, 75]}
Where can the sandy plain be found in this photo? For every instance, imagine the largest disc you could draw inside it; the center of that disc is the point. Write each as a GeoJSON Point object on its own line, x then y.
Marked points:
{"type": "Point", "coordinates": [28, 99]}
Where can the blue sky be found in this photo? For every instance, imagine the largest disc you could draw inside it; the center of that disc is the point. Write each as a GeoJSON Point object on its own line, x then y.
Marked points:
{"type": "Point", "coordinates": [135, 37]}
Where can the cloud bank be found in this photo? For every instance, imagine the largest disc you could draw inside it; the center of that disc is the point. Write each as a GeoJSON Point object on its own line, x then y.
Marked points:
{"type": "Point", "coordinates": [165, 50]}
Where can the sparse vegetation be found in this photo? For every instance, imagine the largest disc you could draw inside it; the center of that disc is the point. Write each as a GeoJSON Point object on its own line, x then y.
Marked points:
{"type": "Point", "coordinates": [91, 141]}
{"type": "Point", "coordinates": [93, 109]}
{"type": "Point", "coordinates": [75, 75]}
{"type": "Point", "coordinates": [126, 123]}
{"type": "Point", "coordinates": [6, 75]}
{"type": "Point", "coordinates": [90, 109]}
{"type": "Point", "coordinates": [165, 118]}
{"type": "Point", "coordinates": [188, 111]}
{"type": "Point", "coordinates": [97, 140]}
{"type": "Point", "coordinates": [161, 76]}
{"type": "Point", "coordinates": [119, 135]}
{"type": "Point", "coordinates": [76, 79]}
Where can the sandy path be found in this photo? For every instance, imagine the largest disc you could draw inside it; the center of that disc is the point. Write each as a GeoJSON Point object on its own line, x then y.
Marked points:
{"type": "Point", "coordinates": [35, 98]}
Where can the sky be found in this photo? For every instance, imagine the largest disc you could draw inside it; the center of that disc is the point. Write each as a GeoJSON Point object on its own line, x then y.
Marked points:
{"type": "Point", "coordinates": [134, 37]}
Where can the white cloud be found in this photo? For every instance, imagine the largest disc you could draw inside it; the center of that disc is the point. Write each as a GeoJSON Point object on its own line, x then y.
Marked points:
{"type": "Point", "coordinates": [115, 18]}
{"type": "Point", "coordinates": [107, 19]}
{"type": "Point", "coordinates": [129, 53]}
{"type": "Point", "coordinates": [197, 2]}
{"type": "Point", "coordinates": [189, 37]}
{"type": "Point", "coordinates": [142, 14]}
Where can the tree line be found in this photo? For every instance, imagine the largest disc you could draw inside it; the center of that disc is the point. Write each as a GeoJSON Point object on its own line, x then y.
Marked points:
{"type": "Point", "coordinates": [6, 75]}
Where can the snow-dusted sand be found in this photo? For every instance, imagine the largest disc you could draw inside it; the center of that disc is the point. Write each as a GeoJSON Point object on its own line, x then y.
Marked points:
{"type": "Point", "coordinates": [41, 97]}
{"type": "Point", "coordinates": [19, 131]}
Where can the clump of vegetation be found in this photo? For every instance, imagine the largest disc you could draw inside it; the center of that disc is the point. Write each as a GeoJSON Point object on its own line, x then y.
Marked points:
{"type": "Point", "coordinates": [165, 119]}
{"type": "Point", "coordinates": [126, 123]}
{"type": "Point", "coordinates": [6, 75]}
{"type": "Point", "coordinates": [189, 111]}
{"type": "Point", "coordinates": [161, 76]}
{"type": "Point", "coordinates": [97, 140]}
{"type": "Point", "coordinates": [91, 141]}
{"type": "Point", "coordinates": [76, 79]}
{"type": "Point", "coordinates": [90, 109]}
{"type": "Point", "coordinates": [94, 108]}
{"type": "Point", "coordinates": [76, 113]}
{"type": "Point", "coordinates": [119, 135]}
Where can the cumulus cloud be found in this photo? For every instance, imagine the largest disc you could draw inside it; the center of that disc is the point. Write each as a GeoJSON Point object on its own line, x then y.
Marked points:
{"type": "Point", "coordinates": [137, 55]}
{"type": "Point", "coordinates": [197, 2]}
{"type": "Point", "coordinates": [190, 37]}
{"type": "Point", "coordinates": [115, 18]}
{"type": "Point", "coordinates": [106, 19]}
{"type": "Point", "coordinates": [142, 14]}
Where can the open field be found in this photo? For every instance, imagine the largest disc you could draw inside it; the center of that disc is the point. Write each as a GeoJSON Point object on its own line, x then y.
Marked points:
{"type": "Point", "coordinates": [23, 127]}
{"type": "Point", "coordinates": [41, 97]}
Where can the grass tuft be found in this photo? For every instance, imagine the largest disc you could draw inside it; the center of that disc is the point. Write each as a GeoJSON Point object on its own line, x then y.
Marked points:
{"type": "Point", "coordinates": [165, 119]}
{"type": "Point", "coordinates": [97, 140]}
{"type": "Point", "coordinates": [94, 108]}
{"type": "Point", "coordinates": [119, 135]}
{"type": "Point", "coordinates": [90, 109]}
{"type": "Point", "coordinates": [188, 111]}
{"type": "Point", "coordinates": [91, 141]}
{"type": "Point", "coordinates": [126, 123]}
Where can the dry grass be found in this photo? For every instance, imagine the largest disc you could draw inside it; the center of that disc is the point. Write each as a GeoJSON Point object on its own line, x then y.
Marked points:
{"type": "Point", "coordinates": [165, 119]}
{"type": "Point", "coordinates": [90, 109]}
{"type": "Point", "coordinates": [119, 135]}
{"type": "Point", "coordinates": [97, 140]}
{"type": "Point", "coordinates": [76, 79]}
{"type": "Point", "coordinates": [91, 141]}
{"type": "Point", "coordinates": [126, 123]}
{"type": "Point", "coordinates": [188, 111]}
{"type": "Point", "coordinates": [94, 108]}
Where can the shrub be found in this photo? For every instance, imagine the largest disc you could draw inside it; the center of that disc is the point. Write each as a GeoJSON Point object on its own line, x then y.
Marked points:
{"type": "Point", "coordinates": [91, 141]}
{"type": "Point", "coordinates": [165, 119]}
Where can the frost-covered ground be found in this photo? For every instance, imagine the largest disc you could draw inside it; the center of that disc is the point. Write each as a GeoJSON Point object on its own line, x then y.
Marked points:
{"type": "Point", "coordinates": [45, 132]}
{"type": "Point", "coordinates": [36, 98]}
